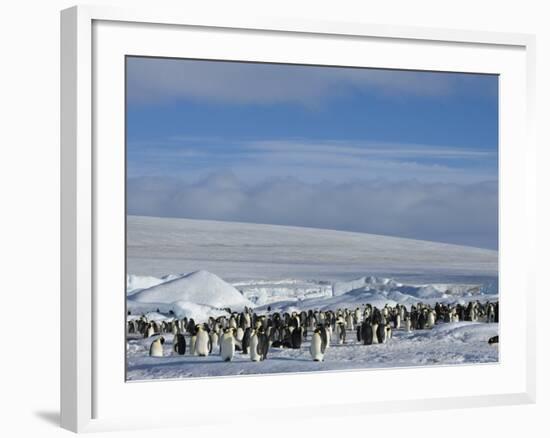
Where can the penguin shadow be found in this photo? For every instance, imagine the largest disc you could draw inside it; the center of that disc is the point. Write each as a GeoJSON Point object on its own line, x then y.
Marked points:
{"type": "Point", "coordinates": [51, 417]}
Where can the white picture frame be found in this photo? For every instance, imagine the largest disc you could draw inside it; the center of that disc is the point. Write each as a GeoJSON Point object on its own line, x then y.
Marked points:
{"type": "Point", "coordinates": [93, 40]}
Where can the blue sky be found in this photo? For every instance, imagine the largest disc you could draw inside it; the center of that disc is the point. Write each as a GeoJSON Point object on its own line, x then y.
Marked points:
{"type": "Point", "coordinates": [405, 153]}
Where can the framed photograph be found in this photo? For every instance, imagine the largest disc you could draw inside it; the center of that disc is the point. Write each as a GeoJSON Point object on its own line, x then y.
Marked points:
{"type": "Point", "coordinates": [252, 208]}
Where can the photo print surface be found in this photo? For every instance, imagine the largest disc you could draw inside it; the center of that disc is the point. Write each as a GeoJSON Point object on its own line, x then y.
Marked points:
{"type": "Point", "coordinates": [295, 218]}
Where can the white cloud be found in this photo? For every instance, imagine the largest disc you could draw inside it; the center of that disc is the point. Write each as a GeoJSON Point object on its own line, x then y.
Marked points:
{"type": "Point", "coordinates": [313, 161]}
{"type": "Point", "coordinates": [158, 80]}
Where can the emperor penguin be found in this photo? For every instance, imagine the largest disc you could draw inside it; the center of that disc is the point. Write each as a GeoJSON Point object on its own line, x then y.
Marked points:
{"type": "Point", "coordinates": [263, 343]}
{"type": "Point", "coordinates": [316, 348]}
{"type": "Point", "coordinates": [179, 344]}
{"type": "Point", "coordinates": [490, 313]}
{"type": "Point", "coordinates": [366, 332]}
{"type": "Point", "coordinates": [358, 315]}
{"type": "Point", "coordinates": [150, 330]}
{"type": "Point", "coordinates": [408, 324]}
{"type": "Point", "coordinates": [374, 329]}
{"type": "Point", "coordinates": [397, 321]}
{"type": "Point", "coordinates": [255, 355]}
{"type": "Point", "coordinates": [214, 339]}
{"type": "Point", "coordinates": [227, 345]}
{"type": "Point", "coordinates": [349, 322]}
{"type": "Point", "coordinates": [328, 335]}
{"type": "Point", "coordinates": [296, 337]}
{"type": "Point", "coordinates": [192, 344]}
{"type": "Point", "coordinates": [245, 343]}
{"type": "Point", "coordinates": [156, 347]}
{"type": "Point", "coordinates": [239, 334]}
{"type": "Point", "coordinates": [202, 342]}
{"type": "Point", "coordinates": [431, 319]}
{"type": "Point", "coordinates": [175, 328]}
{"type": "Point", "coordinates": [388, 331]}
{"type": "Point", "coordinates": [341, 332]}
{"type": "Point", "coordinates": [381, 333]}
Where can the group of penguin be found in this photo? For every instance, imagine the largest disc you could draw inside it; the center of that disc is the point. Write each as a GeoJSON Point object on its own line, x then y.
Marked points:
{"type": "Point", "coordinates": [253, 334]}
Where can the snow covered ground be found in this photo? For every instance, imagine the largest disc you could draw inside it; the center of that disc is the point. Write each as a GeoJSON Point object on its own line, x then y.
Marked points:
{"type": "Point", "coordinates": [199, 269]}
{"type": "Point", "coordinates": [445, 344]}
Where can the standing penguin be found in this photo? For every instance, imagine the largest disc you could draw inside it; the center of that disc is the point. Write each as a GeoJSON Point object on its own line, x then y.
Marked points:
{"type": "Point", "coordinates": [263, 343]}
{"type": "Point", "coordinates": [193, 343]}
{"type": "Point", "coordinates": [397, 321]}
{"type": "Point", "coordinates": [388, 331]}
{"type": "Point", "coordinates": [381, 333]}
{"type": "Point", "coordinates": [327, 335]}
{"type": "Point", "coordinates": [349, 321]}
{"type": "Point", "coordinates": [341, 332]}
{"type": "Point", "coordinates": [202, 343]}
{"type": "Point", "coordinates": [366, 332]}
{"type": "Point", "coordinates": [296, 337]}
{"type": "Point", "coordinates": [255, 355]}
{"type": "Point", "coordinates": [374, 329]}
{"type": "Point", "coordinates": [150, 330]}
{"type": "Point", "coordinates": [227, 345]}
{"type": "Point", "coordinates": [317, 347]}
{"type": "Point", "coordinates": [156, 347]}
{"type": "Point", "coordinates": [214, 339]}
{"type": "Point", "coordinates": [430, 321]}
{"type": "Point", "coordinates": [179, 344]}
{"type": "Point", "coordinates": [407, 324]}
{"type": "Point", "coordinates": [245, 343]}
{"type": "Point", "coordinates": [239, 334]}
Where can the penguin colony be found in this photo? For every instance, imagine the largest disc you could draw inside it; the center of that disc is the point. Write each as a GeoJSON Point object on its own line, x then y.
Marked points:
{"type": "Point", "coordinates": [252, 334]}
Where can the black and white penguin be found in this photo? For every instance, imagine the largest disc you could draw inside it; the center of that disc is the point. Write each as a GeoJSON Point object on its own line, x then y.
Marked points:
{"type": "Point", "coordinates": [192, 343]}
{"type": "Point", "coordinates": [263, 343]}
{"type": "Point", "coordinates": [397, 321]}
{"type": "Point", "coordinates": [202, 342]}
{"type": "Point", "coordinates": [246, 340]}
{"type": "Point", "coordinates": [239, 333]}
{"type": "Point", "coordinates": [255, 355]}
{"type": "Point", "coordinates": [150, 331]}
{"type": "Point", "coordinates": [296, 337]}
{"type": "Point", "coordinates": [430, 320]}
{"type": "Point", "coordinates": [316, 347]}
{"type": "Point", "coordinates": [179, 344]}
{"type": "Point", "coordinates": [366, 332]}
{"type": "Point", "coordinates": [227, 345]}
{"type": "Point", "coordinates": [381, 333]}
{"type": "Point", "coordinates": [156, 349]}
{"type": "Point", "coordinates": [408, 324]}
{"type": "Point", "coordinates": [340, 332]}
{"type": "Point", "coordinates": [389, 332]}
{"type": "Point", "coordinates": [374, 328]}
{"type": "Point", "coordinates": [349, 322]}
{"type": "Point", "coordinates": [214, 339]}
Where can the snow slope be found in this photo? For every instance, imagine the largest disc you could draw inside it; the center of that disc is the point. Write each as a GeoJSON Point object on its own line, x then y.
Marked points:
{"type": "Point", "coordinates": [135, 283]}
{"type": "Point", "coordinates": [196, 295]}
{"type": "Point", "coordinates": [241, 252]}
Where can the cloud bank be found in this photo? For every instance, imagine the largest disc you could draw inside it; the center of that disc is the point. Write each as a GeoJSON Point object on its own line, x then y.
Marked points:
{"type": "Point", "coordinates": [465, 214]}
{"type": "Point", "coordinates": [153, 80]}
{"type": "Point", "coordinates": [313, 161]}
